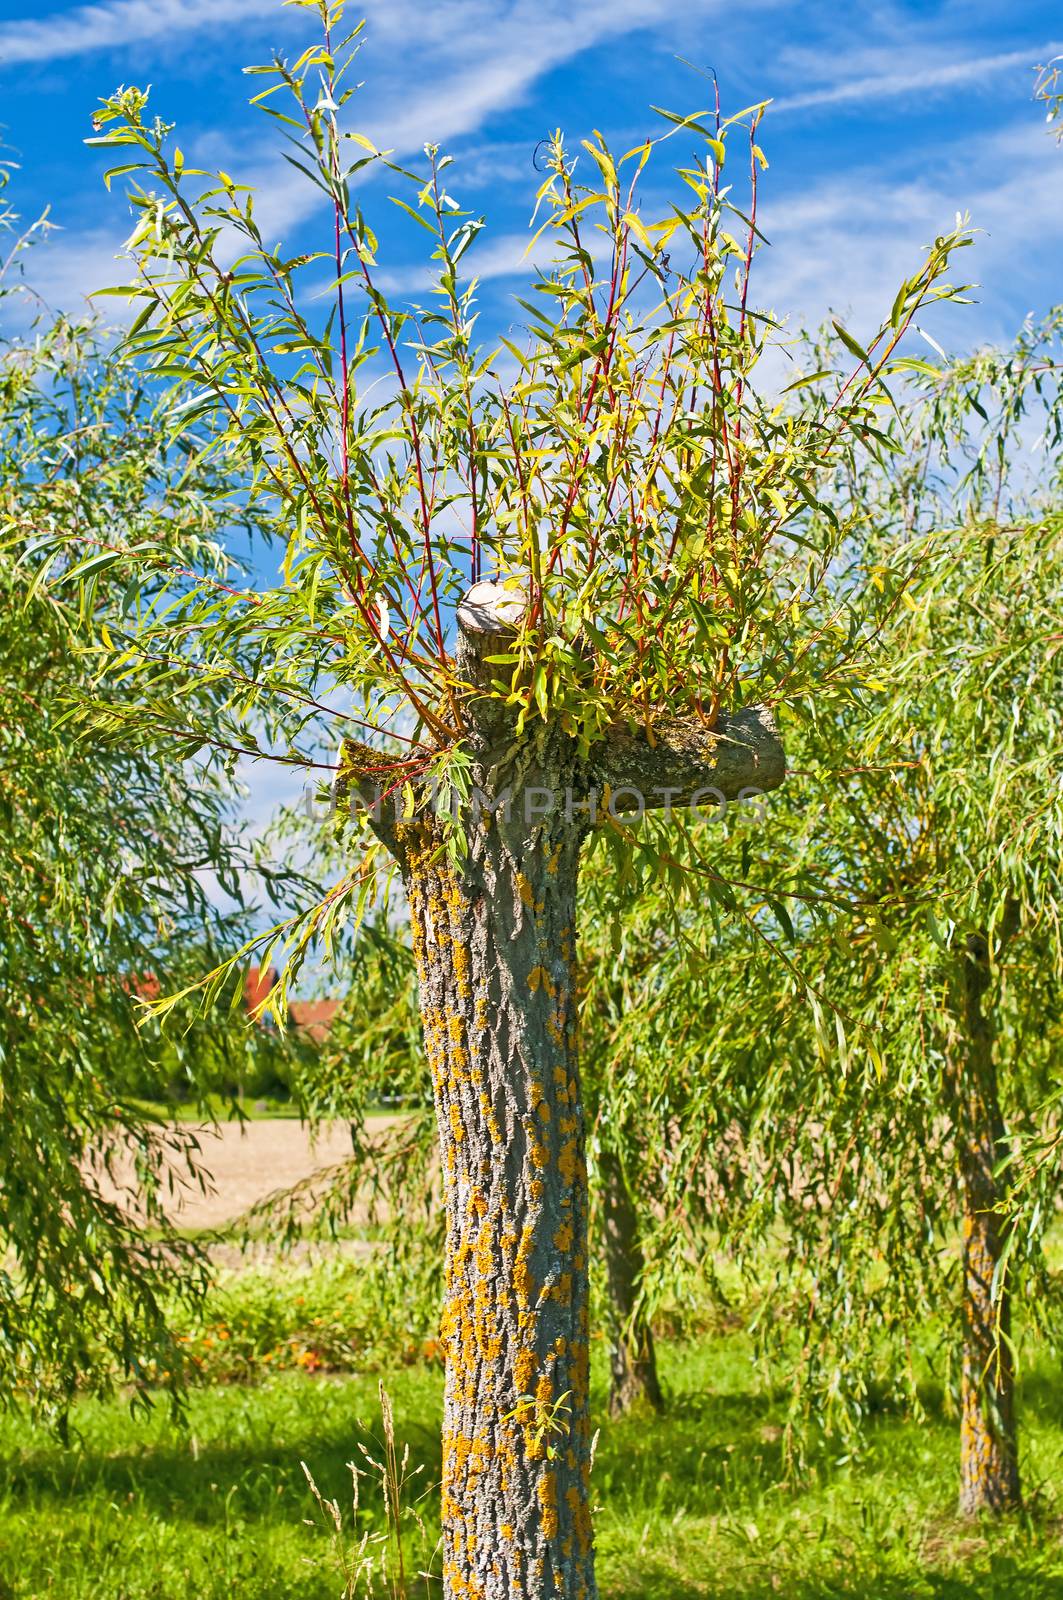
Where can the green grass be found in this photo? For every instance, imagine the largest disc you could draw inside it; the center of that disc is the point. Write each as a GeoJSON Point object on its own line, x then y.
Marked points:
{"type": "Point", "coordinates": [689, 1506]}
{"type": "Point", "coordinates": [222, 1108]}
{"type": "Point", "coordinates": [252, 1107]}
{"type": "Point", "coordinates": [322, 1315]}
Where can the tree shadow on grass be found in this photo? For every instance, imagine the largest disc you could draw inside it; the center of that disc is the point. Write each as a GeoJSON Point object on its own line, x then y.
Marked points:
{"type": "Point", "coordinates": [1007, 1580]}
{"type": "Point", "coordinates": [180, 1479]}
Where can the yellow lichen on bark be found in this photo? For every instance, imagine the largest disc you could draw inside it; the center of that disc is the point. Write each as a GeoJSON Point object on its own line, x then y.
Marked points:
{"type": "Point", "coordinates": [547, 1490]}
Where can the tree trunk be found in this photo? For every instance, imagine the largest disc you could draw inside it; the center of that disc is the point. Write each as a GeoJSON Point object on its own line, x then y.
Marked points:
{"type": "Point", "coordinates": [633, 1360]}
{"type": "Point", "coordinates": [493, 920]}
{"type": "Point", "coordinates": [495, 949]}
{"type": "Point", "coordinates": [989, 1467]}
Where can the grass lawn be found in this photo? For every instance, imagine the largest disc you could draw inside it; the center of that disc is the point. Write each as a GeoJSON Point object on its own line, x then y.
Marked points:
{"type": "Point", "coordinates": [691, 1505]}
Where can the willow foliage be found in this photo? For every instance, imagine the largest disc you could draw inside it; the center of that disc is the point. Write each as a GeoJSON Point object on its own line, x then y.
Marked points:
{"type": "Point", "coordinates": [822, 1129]}
{"type": "Point", "coordinates": [109, 852]}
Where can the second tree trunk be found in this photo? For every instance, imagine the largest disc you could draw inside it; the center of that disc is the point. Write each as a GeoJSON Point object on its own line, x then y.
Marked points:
{"type": "Point", "coordinates": [633, 1360]}
{"type": "Point", "coordinates": [989, 1465]}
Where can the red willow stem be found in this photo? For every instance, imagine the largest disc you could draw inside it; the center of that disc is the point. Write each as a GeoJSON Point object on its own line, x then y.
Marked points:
{"type": "Point", "coordinates": [703, 321]}
{"type": "Point", "coordinates": [345, 400]}
{"type": "Point", "coordinates": [603, 360]}
{"type": "Point", "coordinates": [474, 544]}
{"type": "Point", "coordinates": [623, 433]}
{"type": "Point", "coordinates": [518, 463]}
{"type": "Point", "coordinates": [710, 531]}
{"type": "Point", "coordinates": [601, 370]}
{"type": "Point", "coordinates": [736, 480]}
{"type": "Point", "coordinates": [429, 563]}
{"type": "Point", "coordinates": [592, 552]}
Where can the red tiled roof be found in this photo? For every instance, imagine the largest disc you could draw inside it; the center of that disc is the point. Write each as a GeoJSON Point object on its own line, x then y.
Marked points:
{"type": "Point", "coordinates": [314, 1017]}
{"type": "Point", "coordinates": [260, 981]}
{"type": "Point", "coordinates": [144, 985]}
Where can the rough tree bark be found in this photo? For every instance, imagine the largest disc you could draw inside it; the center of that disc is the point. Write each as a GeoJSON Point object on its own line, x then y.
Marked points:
{"type": "Point", "coordinates": [632, 1357]}
{"type": "Point", "coordinates": [989, 1464]}
{"type": "Point", "coordinates": [495, 940]}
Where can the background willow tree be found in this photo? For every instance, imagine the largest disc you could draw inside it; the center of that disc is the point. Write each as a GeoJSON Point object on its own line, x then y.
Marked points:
{"type": "Point", "coordinates": [517, 582]}
{"type": "Point", "coordinates": [648, 1019]}
{"type": "Point", "coordinates": [930, 990]}
{"type": "Point", "coordinates": [981, 648]}
{"type": "Point", "coordinates": [102, 881]}
{"type": "Point", "coordinates": [622, 976]}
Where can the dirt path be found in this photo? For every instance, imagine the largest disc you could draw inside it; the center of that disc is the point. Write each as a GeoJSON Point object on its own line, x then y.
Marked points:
{"type": "Point", "coordinates": [245, 1162]}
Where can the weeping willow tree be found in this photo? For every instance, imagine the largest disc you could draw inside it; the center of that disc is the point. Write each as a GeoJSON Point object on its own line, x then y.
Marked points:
{"type": "Point", "coordinates": [648, 1021]}
{"type": "Point", "coordinates": [108, 855]}
{"type": "Point", "coordinates": [528, 590]}
{"type": "Point", "coordinates": [886, 1083]}
{"type": "Point", "coordinates": [981, 832]}
{"type": "Point", "coordinates": [622, 976]}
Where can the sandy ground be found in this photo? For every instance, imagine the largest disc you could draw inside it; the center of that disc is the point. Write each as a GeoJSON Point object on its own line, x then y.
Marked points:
{"type": "Point", "coordinates": [246, 1162]}
{"type": "Point", "coordinates": [251, 1160]}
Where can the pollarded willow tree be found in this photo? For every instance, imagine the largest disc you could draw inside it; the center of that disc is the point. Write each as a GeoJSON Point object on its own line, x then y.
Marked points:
{"type": "Point", "coordinates": [638, 1002]}
{"type": "Point", "coordinates": [533, 588]}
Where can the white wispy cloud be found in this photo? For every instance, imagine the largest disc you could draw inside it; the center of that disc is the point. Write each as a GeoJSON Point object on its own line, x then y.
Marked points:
{"type": "Point", "coordinates": [64, 269]}
{"type": "Point", "coordinates": [843, 245]}
{"type": "Point", "coordinates": [922, 77]}
{"type": "Point", "coordinates": [844, 242]}
{"type": "Point", "coordinates": [119, 23]}
{"type": "Point", "coordinates": [455, 30]}
{"type": "Point", "coordinates": [474, 59]}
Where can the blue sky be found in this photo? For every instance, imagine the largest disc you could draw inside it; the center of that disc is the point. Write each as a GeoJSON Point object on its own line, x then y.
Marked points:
{"type": "Point", "coordinates": [887, 119]}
